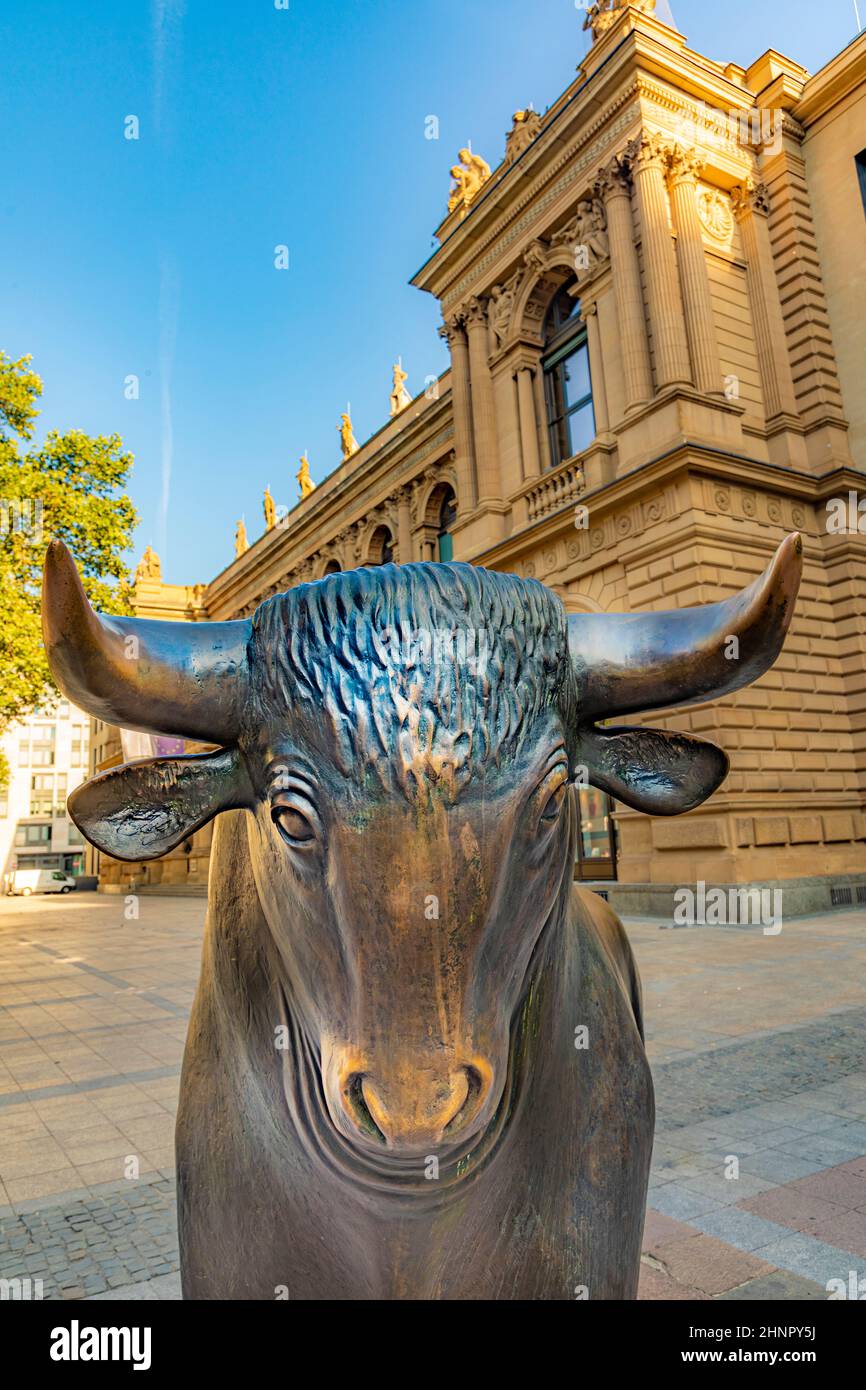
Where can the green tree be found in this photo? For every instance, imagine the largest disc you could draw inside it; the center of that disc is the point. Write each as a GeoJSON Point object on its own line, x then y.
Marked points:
{"type": "Point", "coordinates": [71, 486]}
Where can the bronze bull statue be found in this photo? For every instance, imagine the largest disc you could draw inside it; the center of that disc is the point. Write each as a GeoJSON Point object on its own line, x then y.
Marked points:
{"type": "Point", "coordinates": [382, 1096]}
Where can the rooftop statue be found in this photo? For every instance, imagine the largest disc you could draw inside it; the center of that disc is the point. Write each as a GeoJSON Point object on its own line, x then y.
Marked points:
{"type": "Point", "coordinates": [469, 177]}
{"type": "Point", "coordinates": [242, 545]}
{"type": "Point", "coordinates": [305, 482]}
{"type": "Point", "coordinates": [415, 1066]}
{"type": "Point", "coordinates": [348, 442]}
{"type": "Point", "coordinates": [525, 126]}
{"type": "Point", "coordinates": [400, 397]}
{"type": "Point", "coordinates": [602, 16]}
{"type": "Point", "coordinates": [270, 510]}
{"type": "Point", "coordinates": [149, 566]}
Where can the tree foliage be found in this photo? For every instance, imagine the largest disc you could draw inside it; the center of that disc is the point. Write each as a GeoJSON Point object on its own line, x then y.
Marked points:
{"type": "Point", "coordinates": [71, 486]}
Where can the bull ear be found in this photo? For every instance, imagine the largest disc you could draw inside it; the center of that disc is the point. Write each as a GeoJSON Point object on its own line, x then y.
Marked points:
{"type": "Point", "coordinates": [144, 809]}
{"type": "Point", "coordinates": [650, 769]}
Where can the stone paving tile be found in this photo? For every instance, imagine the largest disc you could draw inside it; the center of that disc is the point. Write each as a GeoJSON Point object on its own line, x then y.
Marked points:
{"type": "Point", "coordinates": [839, 1184]}
{"type": "Point", "coordinates": [672, 1199]}
{"type": "Point", "coordinates": [847, 1231]}
{"type": "Point", "coordinates": [711, 1265]}
{"type": "Point", "coordinates": [813, 1259]}
{"type": "Point", "coordinates": [781, 1284]}
{"type": "Point", "coordinates": [828, 1152]}
{"type": "Point", "coordinates": [779, 1166]}
{"type": "Point", "coordinates": [726, 1192]}
{"type": "Point", "coordinates": [163, 1286]}
{"type": "Point", "coordinates": [661, 1230]}
{"type": "Point", "coordinates": [792, 1207]}
{"type": "Point", "coordinates": [657, 1285]}
{"type": "Point", "coordinates": [740, 1228]}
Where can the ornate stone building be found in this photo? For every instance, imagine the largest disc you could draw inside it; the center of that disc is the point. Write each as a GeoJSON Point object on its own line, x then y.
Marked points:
{"type": "Point", "coordinates": [655, 311]}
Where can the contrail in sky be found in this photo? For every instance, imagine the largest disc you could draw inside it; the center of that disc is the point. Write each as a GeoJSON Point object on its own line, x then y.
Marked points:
{"type": "Point", "coordinates": [169, 301]}
{"type": "Point", "coordinates": [167, 35]}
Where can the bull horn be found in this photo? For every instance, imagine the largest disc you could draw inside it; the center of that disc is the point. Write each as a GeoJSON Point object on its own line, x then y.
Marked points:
{"type": "Point", "coordinates": [160, 677]}
{"type": "Point", "coordinates": [624, 663]}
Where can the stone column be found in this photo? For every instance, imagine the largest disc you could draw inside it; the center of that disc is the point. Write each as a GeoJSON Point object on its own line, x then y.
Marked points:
{"type": "Point", "coordinates": [454, 331]}
{"type": "Point", "coordinates": [589, 315]}
{"type": "Point", "coordinates": [751, 209]}
{"type": "Point", "coordinates": [528, 424]}
{"type": "Point", "coordinates": [614, 186]}
{"type": "Point", "coordinates": [649, 155]}
{"type": "Point", "coordinates": [404, 526]}
{"type": "Point", "coordinates": [483, 414]}
{"type": "Point", "coordinates": [683, 170]}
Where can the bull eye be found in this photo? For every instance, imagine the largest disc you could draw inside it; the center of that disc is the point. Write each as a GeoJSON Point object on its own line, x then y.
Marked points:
{"type": "Point", "coordinates": [293, 825]}
{"type": "Point", "coordinates": [553, 805]}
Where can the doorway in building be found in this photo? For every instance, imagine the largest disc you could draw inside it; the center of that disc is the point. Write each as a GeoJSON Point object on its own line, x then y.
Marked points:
{"type": "Point", "coordinates": [596, 841]}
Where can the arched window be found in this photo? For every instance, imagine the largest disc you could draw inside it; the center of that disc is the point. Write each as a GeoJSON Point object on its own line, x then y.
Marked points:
{"type": "Point", "coordinates": [381, 550]}
{"type": "Point", "coordinates": [447, 518]}
{"type": "Point", "coordinates": [332, 567]}
{"type": "Point", "coordinates": [567, 381]}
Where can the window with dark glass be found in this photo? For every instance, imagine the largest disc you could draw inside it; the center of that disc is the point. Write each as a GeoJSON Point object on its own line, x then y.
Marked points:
{"type": "Point", "coordinates": [860, 161]}
{"type": "Point", "coordinates": [567, 380]}
{"type": "Point", "coordinates": [447, 518]}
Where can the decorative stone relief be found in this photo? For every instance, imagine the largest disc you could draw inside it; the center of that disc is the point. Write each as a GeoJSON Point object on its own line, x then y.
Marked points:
{"type": "Point", "coordinates": [714, 211]}
{"type": "Point", "coordinates": [586, 236]}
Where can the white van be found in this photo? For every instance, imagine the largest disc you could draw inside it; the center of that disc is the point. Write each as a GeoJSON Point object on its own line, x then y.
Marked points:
{"type": "Point", "coordinates": [27, 881]}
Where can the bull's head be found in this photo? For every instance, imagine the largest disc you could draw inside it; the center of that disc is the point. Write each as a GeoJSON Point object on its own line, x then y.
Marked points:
{"type": "Point", "coordinates": [410, 830]}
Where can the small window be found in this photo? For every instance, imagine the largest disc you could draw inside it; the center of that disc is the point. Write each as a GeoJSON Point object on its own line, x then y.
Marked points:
{"type": "Point", "coordinates": [447, 518]}
{"type": "Point", "coordinates": [860, 162]}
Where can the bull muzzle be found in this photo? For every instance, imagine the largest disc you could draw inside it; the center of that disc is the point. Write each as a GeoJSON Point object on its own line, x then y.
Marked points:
{"type": "Point", "coordinates": [410, 1104]}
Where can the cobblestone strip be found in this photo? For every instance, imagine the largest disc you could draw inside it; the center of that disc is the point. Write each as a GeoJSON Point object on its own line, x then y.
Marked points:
{"type": "Point", "coordinates": [93, 1244]}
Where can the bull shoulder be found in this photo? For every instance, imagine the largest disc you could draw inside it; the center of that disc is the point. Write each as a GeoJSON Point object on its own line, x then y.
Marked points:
{"type": "Point", "coordinates": [594, 914]}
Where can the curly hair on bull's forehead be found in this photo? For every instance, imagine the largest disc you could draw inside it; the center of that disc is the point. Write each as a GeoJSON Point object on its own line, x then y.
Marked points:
{"type": "Point", "coordinates": [421, 671]}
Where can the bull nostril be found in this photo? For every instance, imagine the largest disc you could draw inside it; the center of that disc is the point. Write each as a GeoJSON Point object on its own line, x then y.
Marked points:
{"type": "Point", "coordinates": [471, 1103]}
{"type": "Point", "coordinates": [358, 1108]}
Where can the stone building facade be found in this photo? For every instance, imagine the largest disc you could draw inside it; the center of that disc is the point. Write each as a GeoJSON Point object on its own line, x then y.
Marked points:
{"type": "Point", "coordinates": [655, 311]}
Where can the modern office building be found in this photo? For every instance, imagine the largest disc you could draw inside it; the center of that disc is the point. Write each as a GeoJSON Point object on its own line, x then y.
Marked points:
{"type": "Point", "coordinates": [48, 756]}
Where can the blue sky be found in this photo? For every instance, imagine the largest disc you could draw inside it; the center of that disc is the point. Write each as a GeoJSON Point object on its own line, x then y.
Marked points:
{"type": "Point", "coordinates": [262, 126]}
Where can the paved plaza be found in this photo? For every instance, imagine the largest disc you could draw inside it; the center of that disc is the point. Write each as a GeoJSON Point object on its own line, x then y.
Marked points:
{"type": "Point", "coordinates": [757, 1044]}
